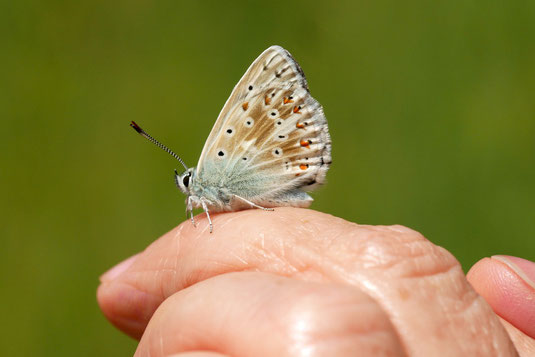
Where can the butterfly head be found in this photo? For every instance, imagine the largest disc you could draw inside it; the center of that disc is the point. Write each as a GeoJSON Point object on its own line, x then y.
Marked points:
{"type": "Point", "coordinates": [185, 180]}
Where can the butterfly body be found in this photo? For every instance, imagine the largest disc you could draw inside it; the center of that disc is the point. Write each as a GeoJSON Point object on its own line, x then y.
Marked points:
{"type": "Point", "coordinates": [269, 145]}
{"type": "Point", "coordinates": [227, 194]}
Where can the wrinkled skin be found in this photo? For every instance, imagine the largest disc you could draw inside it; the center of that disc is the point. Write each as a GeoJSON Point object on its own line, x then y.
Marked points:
{"type": "Point", "coordinates": [296, 282]}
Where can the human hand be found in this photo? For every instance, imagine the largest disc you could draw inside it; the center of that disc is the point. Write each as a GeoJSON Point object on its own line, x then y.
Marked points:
{"type": "Point", "coordinates": [297, 282]}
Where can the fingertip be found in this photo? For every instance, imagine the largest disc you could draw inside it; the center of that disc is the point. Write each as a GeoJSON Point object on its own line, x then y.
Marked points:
{"type": "Point", "coordinates": [522, 267]}
{"type": "Point", "coordinates": [479, 274]}
{"type": "Point", "coordinates": [504, 282]}
{"type": "Point", "coordinates": [123, 306]}
{"type": "Point", "coordinates": [117, 270]}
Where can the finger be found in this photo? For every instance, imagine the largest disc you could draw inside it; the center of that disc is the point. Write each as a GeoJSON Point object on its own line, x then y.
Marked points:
{"type": "Point", "coordinates": [524, 344]}
{"type": "Point", "coordinates": [506, 284]}
{"type": "Point", "coordinates": [421, 286]}
{"type": "Point", "coordinates": [259, 314]}
{"type": "Point", "coordinates": [197, 354]}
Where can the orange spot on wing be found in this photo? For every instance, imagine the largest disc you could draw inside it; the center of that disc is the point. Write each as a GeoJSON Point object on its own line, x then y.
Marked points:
{"type": "Point", "coordinates": [287, 100]}
{"type": "Point", "coordinates": [267, 100]}
{"type": "Point", "coordinates": [297, 110]}
{"type": "Point", "coordinates": [245, 106]}
{"type": "Point", "coordinates": [303, 166]}
{"type": "Point", "coordinates": [300, 125]}
{"type": "Point", "coordinates": [305, 143]}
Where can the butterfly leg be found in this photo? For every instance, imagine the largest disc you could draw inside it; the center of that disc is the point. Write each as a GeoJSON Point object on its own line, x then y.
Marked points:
{"type": "Point", "coordinates": [205, 208]}
{"type": "Point", "coordinates": [189, 209]}
{"type": "Point", "coordinates": [192, 219]}
{"type": "Point", "coordinates": [253, 204]}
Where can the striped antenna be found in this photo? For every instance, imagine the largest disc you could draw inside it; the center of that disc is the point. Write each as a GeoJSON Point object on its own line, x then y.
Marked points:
{"type": "Point", "coordinates": [157, 143]}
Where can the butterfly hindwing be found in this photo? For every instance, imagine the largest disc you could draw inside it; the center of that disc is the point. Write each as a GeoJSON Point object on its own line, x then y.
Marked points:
{"type": "Point", "coordinates": [270, 142]}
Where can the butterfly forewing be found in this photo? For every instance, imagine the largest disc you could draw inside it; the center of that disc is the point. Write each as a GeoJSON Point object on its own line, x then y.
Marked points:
{"type": "Point", "coordinates": [270, 141]}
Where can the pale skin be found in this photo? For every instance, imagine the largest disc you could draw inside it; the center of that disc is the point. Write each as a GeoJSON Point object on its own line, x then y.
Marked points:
{"type": "Point", "coordinates": [296, 282]}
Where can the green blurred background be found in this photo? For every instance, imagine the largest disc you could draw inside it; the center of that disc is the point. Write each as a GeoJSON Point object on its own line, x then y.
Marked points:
{"type": "Point", "coordinates": [430, 104]}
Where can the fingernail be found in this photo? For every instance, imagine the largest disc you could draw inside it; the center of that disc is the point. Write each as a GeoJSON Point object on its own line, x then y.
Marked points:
{"type": "Point", "coordinates": [118, 269]}
{"type": "Point", "coordinates": [522, 267]}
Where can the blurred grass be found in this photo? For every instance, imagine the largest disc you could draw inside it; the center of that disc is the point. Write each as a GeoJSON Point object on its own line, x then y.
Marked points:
{"type": "Point", "coordinates": [430, 105]}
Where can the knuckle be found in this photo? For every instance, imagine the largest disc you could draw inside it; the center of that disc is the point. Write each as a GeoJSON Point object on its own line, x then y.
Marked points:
{"type": "Point", "coordinates": [403, 252]}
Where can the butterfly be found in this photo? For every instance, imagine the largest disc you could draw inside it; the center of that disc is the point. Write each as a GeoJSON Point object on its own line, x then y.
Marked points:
{"type": "Point", "coordinates": [269, 145]}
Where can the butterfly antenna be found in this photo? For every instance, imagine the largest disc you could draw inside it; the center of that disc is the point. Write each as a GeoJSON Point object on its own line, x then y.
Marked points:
{"type": "Point", "coordinates": [156, 142]}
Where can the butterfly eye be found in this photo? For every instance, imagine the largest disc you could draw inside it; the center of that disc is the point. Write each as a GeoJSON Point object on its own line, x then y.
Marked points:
{"type": "Point", "coordinates": [185, 180]}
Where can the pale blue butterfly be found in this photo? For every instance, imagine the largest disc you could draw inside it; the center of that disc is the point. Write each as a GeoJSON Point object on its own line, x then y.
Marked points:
{"type": "Point", "coordinates": [268, 146]}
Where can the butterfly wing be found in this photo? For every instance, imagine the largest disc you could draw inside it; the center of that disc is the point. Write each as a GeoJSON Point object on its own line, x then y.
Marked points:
{"type": "Point", "coordinates": [270, 142]}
